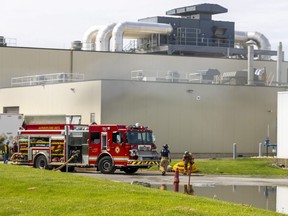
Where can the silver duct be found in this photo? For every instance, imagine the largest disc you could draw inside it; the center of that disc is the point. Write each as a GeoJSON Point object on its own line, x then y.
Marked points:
{"type": "Point", "coordinates": [136, 30]}
{"type": "Point", "coordinates": [279, 64]}
{"type": "Point", "coordinates": [250, 75]}
{"type": "Point", "coordinates": [89, 38]}
{"type": "Point", "coordinates": [103, 38]}
{"type": "Point", "coordinates": [261, 41]}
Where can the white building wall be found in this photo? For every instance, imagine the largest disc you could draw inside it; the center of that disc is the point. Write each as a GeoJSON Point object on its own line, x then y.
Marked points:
{"type": "Point", "coordinates": [67, 98]}
{"type": "Point", "coordinates": [282, 125]}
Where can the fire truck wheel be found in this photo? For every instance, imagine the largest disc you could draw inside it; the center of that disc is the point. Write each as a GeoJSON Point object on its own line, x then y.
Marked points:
{"type": "Point", "coordinates": [130, 170]}
{"type": "Point", "coordinates": [41, 162]}
{"type": "Point", "coordinates": [106, 165]}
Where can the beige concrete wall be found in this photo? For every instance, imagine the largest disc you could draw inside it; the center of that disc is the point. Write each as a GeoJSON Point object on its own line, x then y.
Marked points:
{"type": "Point", "coordinates": [68, 98]}
{"type": "Point", "coordinates": [18, 62]}
{"type": "Point", "coordinates": [107, 65]}
{"type": "Point", "coordinates": [15, 62]}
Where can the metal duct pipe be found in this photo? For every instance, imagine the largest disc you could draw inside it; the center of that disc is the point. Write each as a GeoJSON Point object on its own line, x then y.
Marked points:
{"type": "Point", "coordinates": [136, 30]}
{"type": "Point", "coordinates": [103, 38]}
{"type": "Point", "coordinates": [250, 75]}
{"type": "Point", "coordinates": [89, 38]}
{"type": "Point", "coordinates": [279, 64]}
{"type": "Point", "coordinates": [261, 41]}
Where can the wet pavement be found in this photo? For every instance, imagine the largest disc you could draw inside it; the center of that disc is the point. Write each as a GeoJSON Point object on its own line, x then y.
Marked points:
{"type": "Point", "coordinates": [155, 178]}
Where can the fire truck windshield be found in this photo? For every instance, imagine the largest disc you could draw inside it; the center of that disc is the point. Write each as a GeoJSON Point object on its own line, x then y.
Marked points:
{"type": "Point", "coordinates": [139, 137]}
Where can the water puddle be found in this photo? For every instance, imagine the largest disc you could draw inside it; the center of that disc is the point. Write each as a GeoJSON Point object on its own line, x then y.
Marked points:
{"type": "Point", "coordinates": [264, 197]}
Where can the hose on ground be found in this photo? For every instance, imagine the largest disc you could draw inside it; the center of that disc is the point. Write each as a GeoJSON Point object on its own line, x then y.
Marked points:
{"type": "Point", "coordinates": [64, 164]}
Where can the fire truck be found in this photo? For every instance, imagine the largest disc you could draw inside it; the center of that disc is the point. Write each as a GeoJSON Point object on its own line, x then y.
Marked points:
{"type": "Point", "coordinates": [106, 147]}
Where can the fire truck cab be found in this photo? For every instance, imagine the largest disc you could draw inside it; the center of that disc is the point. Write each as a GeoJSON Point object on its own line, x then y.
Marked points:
{"type": "Point", "coordinates": [106, 147]}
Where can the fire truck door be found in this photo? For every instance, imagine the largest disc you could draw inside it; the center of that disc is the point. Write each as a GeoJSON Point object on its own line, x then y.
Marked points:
{"type": "Point", "coordinates": [117, 147]}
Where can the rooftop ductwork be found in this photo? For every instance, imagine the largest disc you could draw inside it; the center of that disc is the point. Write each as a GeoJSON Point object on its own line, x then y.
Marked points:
{"type": "Point", "coordinates": [136, 30]}
{"type": "Point", "coordinates": [260, 40]}
{"type": "Point", "coordinates": [103, 37]}
{"type": "Point", "coordinates": [192, 32]}
{"type": "Point", "coordinates": [89, 37]}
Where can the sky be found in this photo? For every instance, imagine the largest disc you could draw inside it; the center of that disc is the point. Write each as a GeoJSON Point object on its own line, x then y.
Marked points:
{"type": "Point", "coordinates": [56, 23]}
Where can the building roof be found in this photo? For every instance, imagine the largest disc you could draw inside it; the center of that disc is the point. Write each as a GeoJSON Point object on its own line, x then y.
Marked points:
{"type": "Point", "coordinates": [197, 9]}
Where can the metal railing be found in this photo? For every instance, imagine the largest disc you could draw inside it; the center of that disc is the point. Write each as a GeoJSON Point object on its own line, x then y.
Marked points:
{"type": "Point", "coordinates": [44, 79]}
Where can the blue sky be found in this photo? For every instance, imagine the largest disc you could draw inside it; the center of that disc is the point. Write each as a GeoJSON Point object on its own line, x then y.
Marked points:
{"type": "Point", "coordinates": [56, 23]}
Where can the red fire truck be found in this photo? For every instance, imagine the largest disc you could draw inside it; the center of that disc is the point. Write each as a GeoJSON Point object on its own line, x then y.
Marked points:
{"type": "Point", "coordinates": [106, 147]}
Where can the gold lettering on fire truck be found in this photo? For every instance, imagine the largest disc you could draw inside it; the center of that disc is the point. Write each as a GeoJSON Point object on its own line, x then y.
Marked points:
{"type": "Point", "coordinates": [94, 150]}
{"type": "Point", "coordinates": [49, 128]}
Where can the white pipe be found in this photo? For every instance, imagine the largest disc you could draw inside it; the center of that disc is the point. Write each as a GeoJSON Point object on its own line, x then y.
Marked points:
{"type": "Point", "coordinates": [89, 37]}
{"type": "Point", "coordinates": [261, 41]}
{"type": "Point", "coordinates": [135, 30]}
{"type": "Point", "coordinates": [103, 38]}
{"type": "Point", "coordinates": [250, 75]}
{"type": "Point", "coordinates": [279, 64]}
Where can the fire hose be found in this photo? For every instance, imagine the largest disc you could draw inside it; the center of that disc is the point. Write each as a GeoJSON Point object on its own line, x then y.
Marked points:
{"type": "Point", "coordinates": [70, 159]}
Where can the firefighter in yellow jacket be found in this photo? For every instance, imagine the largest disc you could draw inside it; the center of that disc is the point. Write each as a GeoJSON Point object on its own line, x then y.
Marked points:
{"type": "Point", "coordinates": [188, 159]}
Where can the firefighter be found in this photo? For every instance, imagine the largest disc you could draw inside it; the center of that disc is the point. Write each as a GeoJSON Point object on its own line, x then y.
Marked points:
{"type": "Point", "coordinates": [5, 152]}
{"type": "Point", "coordinates": [15, 147]}
{"type": "Point", "coordinates": [165, 159]}
{"type": "Point", "coordinates": [188, 159]}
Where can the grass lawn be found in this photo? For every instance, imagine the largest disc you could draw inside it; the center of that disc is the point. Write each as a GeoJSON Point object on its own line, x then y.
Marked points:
{"type": "Point", "coordinates": [29, 191]}
{"type": "Point", "coordinates": [240, 166]}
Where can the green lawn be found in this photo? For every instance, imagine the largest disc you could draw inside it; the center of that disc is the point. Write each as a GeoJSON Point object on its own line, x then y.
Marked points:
{"type": "Point", "coordinates": [29, 191]}
{"type": "Point", "coordinates": [240, 166]}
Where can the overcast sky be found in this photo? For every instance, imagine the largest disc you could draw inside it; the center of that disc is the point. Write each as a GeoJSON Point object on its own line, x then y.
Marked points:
{"type": "Point", "coordinates": [56, 23]}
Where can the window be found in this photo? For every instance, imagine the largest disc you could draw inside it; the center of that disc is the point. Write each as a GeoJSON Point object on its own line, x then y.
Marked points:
{"type": "Point", "coordinates": [116, 137]}
{"type": "Point", "coordinates": [139, 137]}
{"type": "Point", "coordinates": [12, 109]}
{"type": "Point", "coordinates": [95, 137]}
{"type": "Point", "coordinates": [104, 140]}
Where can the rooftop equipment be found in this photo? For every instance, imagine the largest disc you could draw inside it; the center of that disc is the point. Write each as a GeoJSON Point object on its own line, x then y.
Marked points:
{"type": "Point", "coordinates": [186, 30]}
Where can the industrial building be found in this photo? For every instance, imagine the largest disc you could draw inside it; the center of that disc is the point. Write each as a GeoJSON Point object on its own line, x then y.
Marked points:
{"type": "Point", "coordinates": [198, 83]}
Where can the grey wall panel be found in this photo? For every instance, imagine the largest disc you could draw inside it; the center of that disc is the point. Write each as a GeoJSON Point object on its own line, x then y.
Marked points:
{"type": "Point", "coordinates": [210, 119]}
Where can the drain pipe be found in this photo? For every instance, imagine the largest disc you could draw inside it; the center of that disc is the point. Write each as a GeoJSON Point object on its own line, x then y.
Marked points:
{"type": "Point", "coordinates": [250, 75]}
{"type": "Point", "coordinates": [279, 64]}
